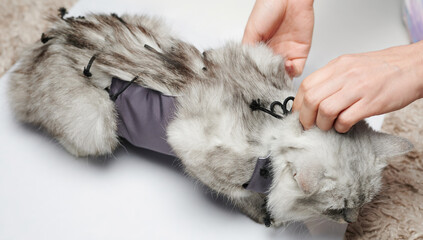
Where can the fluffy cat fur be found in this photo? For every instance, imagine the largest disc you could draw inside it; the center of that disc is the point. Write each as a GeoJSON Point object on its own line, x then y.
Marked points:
{"type": "Point", "coordinates": [214, 133]}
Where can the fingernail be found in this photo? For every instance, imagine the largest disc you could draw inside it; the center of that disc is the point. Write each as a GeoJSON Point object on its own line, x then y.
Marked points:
{"type": "Point", "coordinates": [290, 69]}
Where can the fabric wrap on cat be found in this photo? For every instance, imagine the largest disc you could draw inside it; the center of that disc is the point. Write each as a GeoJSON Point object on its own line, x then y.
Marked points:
{"type": "Point", "coordinates": [143, 115]}
{"type": "Point", "coordinates": [262, 178]}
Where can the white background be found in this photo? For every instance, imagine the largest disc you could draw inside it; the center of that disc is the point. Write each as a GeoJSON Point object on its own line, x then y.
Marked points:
{"type": "Point", "coordinates": [45, 193]}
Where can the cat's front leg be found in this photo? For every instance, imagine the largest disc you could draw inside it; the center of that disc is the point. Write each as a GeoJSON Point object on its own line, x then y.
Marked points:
{"type": "Point", "coordinates": [254, 206]}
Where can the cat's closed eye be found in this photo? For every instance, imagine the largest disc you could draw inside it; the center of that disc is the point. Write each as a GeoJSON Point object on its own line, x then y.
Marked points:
{"type": "Point", "coordinates": [335, 212]}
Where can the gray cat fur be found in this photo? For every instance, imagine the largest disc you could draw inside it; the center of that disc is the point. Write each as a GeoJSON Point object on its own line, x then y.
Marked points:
{"type": "Point", "coordinates": [215, 134]}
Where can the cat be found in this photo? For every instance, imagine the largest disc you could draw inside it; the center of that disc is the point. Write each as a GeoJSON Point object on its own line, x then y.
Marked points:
{"type": "Point", "coordinates": [215, 132]}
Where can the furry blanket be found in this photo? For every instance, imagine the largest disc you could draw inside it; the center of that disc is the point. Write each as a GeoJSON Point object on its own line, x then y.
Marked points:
{"type": "Point", "coordinates": [21, 24]}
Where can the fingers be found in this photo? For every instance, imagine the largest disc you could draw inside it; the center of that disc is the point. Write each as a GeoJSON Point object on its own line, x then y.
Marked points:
{"type": "Point", "coordinates": [322, 97]}
{"type": "Point", "coordinates": [295, 67]}
{"type": "Point", "coordinates": [331, 107]}
{"type": "Point", "coordinates": [264, 20]}
{"type": "Point", "coordinates": [308, 83]}
{"type": "Point", "coordinates": [371, 83]}
{"type": "Point", "coordinates": [251, 36]}
{"type": "Point", "coordinates": [312, 104]}
{"type": "Point", "coordinates": [328, 100]}
{"type": "Point", "coordinates": [351, 116]}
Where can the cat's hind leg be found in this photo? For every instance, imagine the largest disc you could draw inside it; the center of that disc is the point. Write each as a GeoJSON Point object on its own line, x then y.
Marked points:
{"type": "Point", "coordinates": [89, 126]}
{"type": "Point", "coordinates": [64, 102]}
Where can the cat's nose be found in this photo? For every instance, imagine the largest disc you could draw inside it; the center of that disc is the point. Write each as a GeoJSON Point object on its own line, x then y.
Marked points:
{"type": "Point", "coordinates": [348, 220]}
{"type": "Point", "coordinates": [350, 215]}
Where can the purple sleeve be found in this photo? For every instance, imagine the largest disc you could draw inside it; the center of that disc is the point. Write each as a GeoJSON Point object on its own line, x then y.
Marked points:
{"type": "Point", "coordinates": [143, 115]}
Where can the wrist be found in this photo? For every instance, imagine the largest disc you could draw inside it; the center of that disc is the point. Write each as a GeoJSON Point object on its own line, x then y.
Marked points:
{"type": "Point", "coordinates": [409, 60]}
{"type": "Point", "coordinates": [417, 65]}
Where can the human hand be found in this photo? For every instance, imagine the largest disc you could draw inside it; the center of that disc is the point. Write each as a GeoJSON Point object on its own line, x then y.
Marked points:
{"type": "Point", "coordinates": [286, 26]}
{"type": "Point", "coordinates": [353, 87]}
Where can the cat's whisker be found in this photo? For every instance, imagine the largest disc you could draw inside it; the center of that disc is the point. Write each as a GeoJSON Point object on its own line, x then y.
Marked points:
{"type": "Point", "coordinates": [123, 147]}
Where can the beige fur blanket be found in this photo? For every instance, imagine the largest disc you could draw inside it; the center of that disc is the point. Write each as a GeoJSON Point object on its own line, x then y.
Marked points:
{"type": "Point", "coordinates": [21, 23]}
{"type": "Point", "coordinates": [397, 212]}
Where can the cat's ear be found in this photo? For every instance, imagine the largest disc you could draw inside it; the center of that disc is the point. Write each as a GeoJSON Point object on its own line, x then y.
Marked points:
{"type": "Point", "coordinates": [386, 145]}
{"type": "Point", "coordinates": [307, 175]}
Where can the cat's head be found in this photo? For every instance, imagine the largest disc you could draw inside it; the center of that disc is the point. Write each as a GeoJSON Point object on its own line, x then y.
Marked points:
{"type": "Point", "coordinates": [318, 173]}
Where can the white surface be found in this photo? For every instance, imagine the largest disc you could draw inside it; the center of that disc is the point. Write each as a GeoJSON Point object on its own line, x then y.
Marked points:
{"type": "Point", "coordinates": [47, 194]}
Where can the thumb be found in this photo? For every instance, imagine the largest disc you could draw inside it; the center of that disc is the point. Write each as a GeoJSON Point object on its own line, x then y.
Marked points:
{"type": "Point", "coordinates": [264, 20]}
{"type": "Point", "coordinates": [251, 36]}
{"type": "Point", "coordinates": [295, 67]}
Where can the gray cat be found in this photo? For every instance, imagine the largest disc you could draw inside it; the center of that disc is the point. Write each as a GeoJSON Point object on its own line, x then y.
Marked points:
{"type": "Point", "coordinates": [222, 127]}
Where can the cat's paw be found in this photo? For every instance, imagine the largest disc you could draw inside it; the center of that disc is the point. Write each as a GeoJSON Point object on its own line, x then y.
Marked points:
{"type": "Point", "coordinates": [105, 144]}
{"type": "Point", "coordinates": [254, 207]}
{"type": "Point", "coordinates": [277, 223]}
{"type": "Point", "coordinates": [89, 127]}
